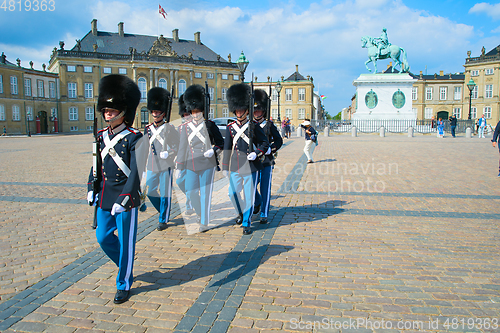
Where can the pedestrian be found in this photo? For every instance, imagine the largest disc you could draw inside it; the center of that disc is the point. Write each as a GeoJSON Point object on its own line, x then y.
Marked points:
{"type": "Point", "coordinates": [181, 181]}
{"type": "Point", "coordinates": [453, 125]}
{"type": "Point", "coordinates": [241, 160]}
{"type": "Point", "coordinates": [287, 127]}
{"type": "Point", "coordinates": [4, 131]}
{"type": "Point", "coordinates": [264, 177]}
{"type": "Point", "coordinates": [311, 137]}
{"type": "Point", "coordinates": [482, 125]}
{"type": "Point", "coordinates": [200, 141]}
{"type": "Point", "coordinates": [495, 139]}
{"type": "Point", "coordinates": [433, 123]}
{"type": "Point", "coordinates": [283, 130]}
{"type": "Point", "coordinates": [119, 197]}
{"type": "Point", "coordinates": [163, 145]}
{"type": "Point", "coordinates": [440, 125]}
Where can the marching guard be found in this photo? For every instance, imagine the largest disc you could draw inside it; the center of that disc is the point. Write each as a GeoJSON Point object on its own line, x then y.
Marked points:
{"type": "Point", "coordinates": [200, 140]}
{"type": "Point", "coordinates": [264, 178]}
{"type": "Point", "coordinates": [181, 181]}
{"type": "Point", "coordinates": [119, 196]}
{"type": "Point", "coordinates": [163, 145]}
{"type": "Point", "coordinates": [241, 156]}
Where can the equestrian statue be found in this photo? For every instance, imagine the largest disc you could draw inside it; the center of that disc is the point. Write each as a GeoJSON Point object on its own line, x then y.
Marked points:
{"type": "Point", "coordinates": [380, 48]}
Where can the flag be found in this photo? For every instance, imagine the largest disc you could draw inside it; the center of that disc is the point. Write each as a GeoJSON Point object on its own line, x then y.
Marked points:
{"type": "Point", "coordinates": [162, 12]}
{"type": "Point", "coordinates": [323, 97]}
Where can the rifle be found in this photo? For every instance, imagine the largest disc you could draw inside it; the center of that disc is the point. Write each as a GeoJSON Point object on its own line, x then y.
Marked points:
{"type": "Point", "coordinates": [268, 116]}
{"type": "Point", "coordinates": [96, 170]}
{"type": "Point", "coordinates": [169, 109]}
{"type": "Point", "coordinates": [250, 119]}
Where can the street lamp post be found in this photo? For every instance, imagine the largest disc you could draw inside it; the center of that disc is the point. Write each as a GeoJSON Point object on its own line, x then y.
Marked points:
{"type": "Point", "coordinates": [242, 64]}
{"type": "Point", "coordinates": [471, 86]}
{"type": "Point", "coordinates": [278, 88]}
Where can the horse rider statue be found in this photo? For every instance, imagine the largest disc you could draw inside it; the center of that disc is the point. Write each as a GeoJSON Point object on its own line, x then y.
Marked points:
{"type": "Point", "coordinates": [382, 42]}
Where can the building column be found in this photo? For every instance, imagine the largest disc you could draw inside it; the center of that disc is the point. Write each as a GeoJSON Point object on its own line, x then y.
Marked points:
{"type": "Point", "coordinates": [151, 78]}
{"type": "Point", "coordinates": [156, 77]}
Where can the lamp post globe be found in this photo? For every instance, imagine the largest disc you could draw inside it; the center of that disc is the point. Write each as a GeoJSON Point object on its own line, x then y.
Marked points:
{"type": "Point", "coordinates": [242, 64]}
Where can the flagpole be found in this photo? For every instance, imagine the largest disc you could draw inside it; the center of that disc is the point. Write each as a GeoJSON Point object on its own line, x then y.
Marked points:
{"type": "Point", "coordinates": [158, 36]}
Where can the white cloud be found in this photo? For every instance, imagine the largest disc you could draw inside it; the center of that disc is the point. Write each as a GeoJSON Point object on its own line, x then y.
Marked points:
{"type": "Point", "coordinates": [26, 54]}
{"type": "Point", "coordinates": [490, 10]}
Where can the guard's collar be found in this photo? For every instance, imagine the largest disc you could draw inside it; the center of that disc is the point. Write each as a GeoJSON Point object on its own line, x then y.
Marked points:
{"type": "Point", "coordinates": [118, 128]}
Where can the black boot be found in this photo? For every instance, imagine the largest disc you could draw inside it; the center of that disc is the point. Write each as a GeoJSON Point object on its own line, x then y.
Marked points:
{"type": "Point", "coordinates": [239, 219]}
{"type": "Point", "coordinates": [247, 231]}
{"type": "Point", "coordinates": [256, 209]}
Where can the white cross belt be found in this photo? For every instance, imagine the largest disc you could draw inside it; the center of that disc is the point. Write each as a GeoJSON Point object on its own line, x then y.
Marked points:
{"type": "Point", "coordinates": [109, 149]}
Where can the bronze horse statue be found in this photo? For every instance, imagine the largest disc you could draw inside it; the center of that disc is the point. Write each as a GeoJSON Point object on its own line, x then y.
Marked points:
{"type": "Point", "coordinates": [396, 53]}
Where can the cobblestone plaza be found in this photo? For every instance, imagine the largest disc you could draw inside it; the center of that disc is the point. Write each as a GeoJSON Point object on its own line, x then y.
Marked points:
{"type": "Point", "coordinates": [379, 234]}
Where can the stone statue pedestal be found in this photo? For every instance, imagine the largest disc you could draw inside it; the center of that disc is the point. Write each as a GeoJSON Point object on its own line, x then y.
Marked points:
{"type": "Point", "coordinates": [384, 96]}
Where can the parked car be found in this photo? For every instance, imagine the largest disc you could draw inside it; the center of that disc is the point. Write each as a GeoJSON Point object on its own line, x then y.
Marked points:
{"type": "Point", "coordinates": [222, 123]}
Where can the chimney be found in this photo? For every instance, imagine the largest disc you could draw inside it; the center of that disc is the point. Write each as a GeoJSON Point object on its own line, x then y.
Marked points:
{"type": "Point", "coordinates": [297, 68]}
{"type": "Point", "coordinates": [175, 35]}
{"type": "Point", "coordinates": [441, 73]}
{"type": "Point", "coordinates": [120, 29]}
{"type": "Point", "coordinates": [197, 38]}
{"type": "Point", "coordinates": [94, 27]}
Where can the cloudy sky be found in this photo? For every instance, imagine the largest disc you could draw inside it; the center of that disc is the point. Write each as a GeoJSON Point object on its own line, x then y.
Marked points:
{"type": "Point", "coordinates": [322, 37]}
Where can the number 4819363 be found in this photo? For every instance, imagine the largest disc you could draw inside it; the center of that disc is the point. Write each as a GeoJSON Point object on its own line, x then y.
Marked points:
{"type": "Point", "coordinates": [28, 5]}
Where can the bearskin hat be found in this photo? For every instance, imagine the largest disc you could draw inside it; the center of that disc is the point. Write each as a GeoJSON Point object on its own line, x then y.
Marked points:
{"type": "Point", "coordinates": [121, 93]}
{"type": "Point", "coordinates": [261, 101]}
{"type": "Point", "coordinates": [158, 99]}
{"type": "Point", "coordinates": [182, 106]}
{"type": "Point", "coordinates": [194, 98]}
{"type": "Point", "coordinates": [238, 97]}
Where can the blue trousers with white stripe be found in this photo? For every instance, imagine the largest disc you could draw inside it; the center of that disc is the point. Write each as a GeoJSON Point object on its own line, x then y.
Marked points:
{"type": "Point", "coordinates": [160, 192]}
{"type": "Point", "coordinates": [181, 182]}
{"type": "Point", "coordinates": [199, 187]}
{"type": "Point", "coordinates": [120, 249]}
{"type": "Point", "coordinates": [238, 182]}
{"type": "Point", "coordinates": [264, 197]}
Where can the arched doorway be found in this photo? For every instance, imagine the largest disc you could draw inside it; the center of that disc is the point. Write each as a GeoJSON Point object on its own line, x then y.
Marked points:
{"type": "Point", "coordinates": [443, 115]}
{"type": "Point", "coordinates": [42, 115]}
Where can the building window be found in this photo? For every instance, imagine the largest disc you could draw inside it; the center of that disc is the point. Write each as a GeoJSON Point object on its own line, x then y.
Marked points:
{"type": "Point", "coordinates": [288, 113]}
{"type": "Point", "coordinates": [211, 113]}
{"type": "Point", "coordinates": [302, 95]}
{"type": "Point", "coordinates": [428, 93]}
{"type": "Point", "coordinates": [52, 89]}
{"type": "Point", "coordinates": [288, 94]}
{"type": "Point", "coordinates": [1, 84]}
{"type": "Point", "coordinates": [457, 112]}
{"type": "Point", "coordinates": [144, 117]}
{"type": "Point", "coordinates": [274, 114]}
{"type": "Point", "coordinates": [224, 76]}
{"type": "Point", "coordinates": [211, 93]}
{"type": "Point", "coordinates": [40, 88]}
{"type": "Point", "coordinates": [274, 95]}
{"type": "Point", "coordinates": [487, 112]}
{"type": "Point", "coordinates": [27, 87]}
{"type": "Point", "coordinates": [442, 93]}
{"type": "Point", "coordinates": [224, 94]}
{"type": "Point", "coordinates": [53, 113]}
{"type": "Point", "coordinates": [458, 93]}
{"type": "Point", "coordinates": [71, 90]}
{"type": "Point", "coordinates": [236, 77]}
{"type": "Point", "coordinates": [474, 73]}
{"type": "Point", "coordinates": [428, 113]}
{"type": "Point", "coordinates": [488, 71]}
{"type": "Point", "coordinates": [2, 112]}
{"type": "Point", "coordinates": [302, 113]}
{"type": "Point", "coordinates": [87, 69]}
{"type": "Point", "coordinates": [197, 75]}
{"type": "Point", "coordinates": [90, 128]}
{"type": "Point", "coordinates": [488, 92]}
{"type": "Point", "coordinates": [474, 93]}
{"type": "Point", "coordinates": [89, 113]}
{"type": "Point", "coordinates": [162, 83]}
{"type": "Point", "coordinates": [73, 128]}
{"type": "Point", "coordinates": [106, 70]}
{"type": "Point", "coordinates": [122, 71]}
{"type": "Point", "coordinates": [182, 87]}
{"type": "Point", "coordinates": [29, 113]}
{"type": "Point", "coordinates": [414, 93]}
{"type": "Point", "coordinates": [473, 112]}
{"type": "Point", "coordinates": [13, 85]}
{"type": "Point", "coordinates": [71, 68]}
{"type": "Point", "coordinates": [143, 87]}
{"type": "Point", "coordinates": [73, 113]}
{"type": "Point", "coordinates": [89, 90]}
{"type": "Point", "coordinates": [210, 75]}
{"type": "Point", "coordinates": [16, 115]}
{"type": "Point", "coordinates": [225, 112]}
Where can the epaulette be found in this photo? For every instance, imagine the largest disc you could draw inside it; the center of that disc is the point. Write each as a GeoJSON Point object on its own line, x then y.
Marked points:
{"type": "Point", "coordinates": [133, 130]}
